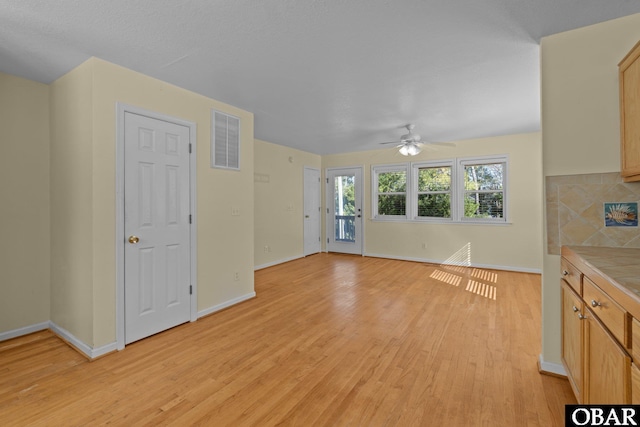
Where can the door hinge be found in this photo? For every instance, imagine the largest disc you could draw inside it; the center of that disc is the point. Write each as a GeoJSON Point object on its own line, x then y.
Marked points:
{"type": "Point", "coordinates": [327, 240]}
{"type": "Point", "coordinates": [327, 180]}
{"type": "Point", "coordinates": [327, 210]}
{"type": "Point", "coordinates": [189, 218]}
{"type": "Point", "coordinates": [319, 240]}
{"type": "Point", "coordinates": [189, 148]}
{"type": "Point", "coordinates": [190, 289]}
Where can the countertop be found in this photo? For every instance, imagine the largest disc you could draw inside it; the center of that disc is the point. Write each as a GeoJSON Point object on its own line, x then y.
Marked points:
{"type": "Point", "coordinates": [620, 266]}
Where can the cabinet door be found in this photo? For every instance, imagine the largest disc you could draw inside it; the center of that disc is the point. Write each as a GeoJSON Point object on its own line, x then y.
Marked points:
{"type": "Point", "coordinates": [629, 79]}
{"type": "Point", "coordinates": [635, 385]}
{"type": "Point", "coordinates": [572, 337]}
{"type": "Point", "coordinates": [607, 366]}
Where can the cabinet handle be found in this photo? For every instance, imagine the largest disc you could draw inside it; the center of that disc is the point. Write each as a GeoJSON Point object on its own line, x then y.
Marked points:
{"type": "Point", "coordinates": [595, 303]}
{"type": "Point", "coordinates": [581, 316]}
{"type": "Point", "coordinates": [565, 273]}
{"type": "Point", "coordinates": [575, 309]}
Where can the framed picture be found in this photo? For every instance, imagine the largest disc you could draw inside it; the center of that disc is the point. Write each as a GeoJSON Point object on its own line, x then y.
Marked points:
{"type": "Point", "coordinates": [621, 214]}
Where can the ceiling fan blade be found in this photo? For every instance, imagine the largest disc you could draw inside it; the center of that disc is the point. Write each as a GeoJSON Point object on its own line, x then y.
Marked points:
{"type": "Point", "coordinates": [391, 142]}
{"type": "Point", "coordinates": [444, 144]}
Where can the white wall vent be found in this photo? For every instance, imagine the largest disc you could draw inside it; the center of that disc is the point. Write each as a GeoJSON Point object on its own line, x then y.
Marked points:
{"type": "Point", "coordinates": [225, 141]}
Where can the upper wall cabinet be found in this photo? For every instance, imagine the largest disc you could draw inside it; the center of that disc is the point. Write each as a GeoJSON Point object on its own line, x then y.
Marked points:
{"type": "Point", "coordinates": [629, 77]}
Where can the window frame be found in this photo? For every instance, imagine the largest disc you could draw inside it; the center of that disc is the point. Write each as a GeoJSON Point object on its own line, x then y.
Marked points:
{"type": "Point", "coordinates": [376, 170]}
{"type": "Point", "coordinates": [485, 160]}
{"type": "Point", "coordinates": [457, 190]}
{"type": "Point", "coordinates": [415, 176]}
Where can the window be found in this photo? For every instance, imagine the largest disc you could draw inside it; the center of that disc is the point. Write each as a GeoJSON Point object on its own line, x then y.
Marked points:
{"type": "Point", "coordinates": [433, 190]}
{"type": "Point", "coordinates": [455, 190]}
{"type": "Point", "coordinates": [390, 192]}
{"type": "Point", "coordinates": [483, 194]}
{"type": "Point", "coordinates": [225, 141]}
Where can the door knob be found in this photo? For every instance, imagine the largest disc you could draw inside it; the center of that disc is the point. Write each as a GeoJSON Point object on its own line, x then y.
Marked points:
{"type": "Point", "coordinates": [306, 216]}
{"type": "Point", "coordinates": [133, 239]}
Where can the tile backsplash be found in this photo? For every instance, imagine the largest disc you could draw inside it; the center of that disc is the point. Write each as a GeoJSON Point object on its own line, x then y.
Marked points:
{"type": "Point", "coordinates": [575, 211]}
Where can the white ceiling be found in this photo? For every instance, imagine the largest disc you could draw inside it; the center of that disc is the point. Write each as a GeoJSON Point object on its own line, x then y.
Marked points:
{"type": "Point", "coordinates": [326, 76]}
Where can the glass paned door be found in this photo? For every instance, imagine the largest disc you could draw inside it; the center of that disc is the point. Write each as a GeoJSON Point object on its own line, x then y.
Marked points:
{"type": "Point", "coordinates": [345, 210]}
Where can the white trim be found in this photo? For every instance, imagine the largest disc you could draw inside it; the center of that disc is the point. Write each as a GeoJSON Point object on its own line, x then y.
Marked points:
{"type": "Point", "coordinates": [121, 109]}
{"type": "Point", "coordinates": [89, 351]}
{"type": "Point", "coordinates": [26, 330]}
{"type": "Point", "coordinates": [440, 261]}
{"type": "Point", "coordinates": [457, 191]}
{"type": "Point", "coordinates": [414, 196]}
{"type": "Point", "coordinates": [460, 190]}
{"type": "Point", "coordinates": [552, 368]}
{"type": "Point", "coordinates": [395, 167]}
{"type": "Point", "coordinates": [280, 261]}
{"type": "Point", "coordinates": [62, 333]}
{"type": "Point", "coordinates": [226, 304]}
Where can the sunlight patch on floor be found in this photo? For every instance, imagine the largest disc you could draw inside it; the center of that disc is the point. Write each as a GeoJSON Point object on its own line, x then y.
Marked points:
{"type": "Point", "coordinates": [488, 276]}
{"type": "Point", "coordinates": [482, 289]}
{"type": "Point", "coordinates": [445, 277]}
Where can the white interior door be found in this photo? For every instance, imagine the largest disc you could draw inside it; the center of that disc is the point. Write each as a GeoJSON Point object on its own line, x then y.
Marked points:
{"type": "Point", "coordinates": [344, 210]}
{"type": "Point", "coordinates": [156, 226]}
{"type": "Point", "coordinates": [311, 211]}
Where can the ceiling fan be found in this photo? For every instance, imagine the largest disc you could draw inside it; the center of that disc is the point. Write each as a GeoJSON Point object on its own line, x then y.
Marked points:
{"type": "Point", "coordinates": [411, 143]}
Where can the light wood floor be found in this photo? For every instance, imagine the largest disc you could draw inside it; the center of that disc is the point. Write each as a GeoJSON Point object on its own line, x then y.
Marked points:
{"type": "Point", "coordinates": [330, 340]}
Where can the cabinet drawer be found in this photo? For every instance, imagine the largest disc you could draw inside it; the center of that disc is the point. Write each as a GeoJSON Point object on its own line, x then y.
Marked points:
{"type": "Point", "coordinates": [571, 274]}
{"type": "Point", "coordinates": [610, 314]}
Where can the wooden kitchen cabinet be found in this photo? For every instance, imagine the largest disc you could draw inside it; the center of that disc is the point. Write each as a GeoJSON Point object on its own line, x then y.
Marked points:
{"type": "Point", "coordinates": [607, 365]}
{"type": "Point", "coordinates": [572, 338]}
{"type": "Point", "coordinates": [635, 385]}
{"type": "Point", "coordinates": [600, 333]}
{"type": "Point", "coordinates": [629, 80]}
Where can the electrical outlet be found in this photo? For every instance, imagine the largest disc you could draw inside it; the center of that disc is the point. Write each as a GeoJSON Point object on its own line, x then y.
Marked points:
{"type": "Point", "coordinates": [236, 276]}
{"type": "Point", "coordinates": [235, 211]}
{"type": "Point", "coordinates": [424, 245]}
{"type": "Point", "coordinates": [266, 248]}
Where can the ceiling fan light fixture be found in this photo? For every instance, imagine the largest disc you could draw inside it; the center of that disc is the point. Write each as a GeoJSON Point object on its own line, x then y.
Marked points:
{"type": "Point", "coordinates": [410, 149]}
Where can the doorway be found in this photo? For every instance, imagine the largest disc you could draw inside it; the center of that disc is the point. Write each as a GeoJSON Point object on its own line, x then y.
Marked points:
{"type": "Point", "coordinates": [155, 231]}
{"type": "Point", "coordinates": [312, 229]}
{"type": "Point", "coordinates": [344, 210]}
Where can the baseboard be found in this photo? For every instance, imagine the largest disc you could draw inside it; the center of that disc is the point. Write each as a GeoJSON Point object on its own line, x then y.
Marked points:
{"type": "Point", "coordinates": [280, 261]}
{"type": "Point", "coordinates": [226, 304]}
{"type": "Point", "coordinates": [15, 333]}
{"type": "Point", "coordinates": [548, 368]}
{"type": "Point", "coordinates": [88, 351]}
{"type": "Point", "coordinates": [475, 265]}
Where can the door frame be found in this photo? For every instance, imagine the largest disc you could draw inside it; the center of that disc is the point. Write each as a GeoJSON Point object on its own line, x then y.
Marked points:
{"type": "Point", "coordinates": [121, 110]}
{"type": "Point", "coordinates": [304, 198]}
{"type": "Point", "coordinates": [329, 201]}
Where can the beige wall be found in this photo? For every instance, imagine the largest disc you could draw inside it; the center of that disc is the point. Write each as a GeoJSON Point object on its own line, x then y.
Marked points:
{"type": "Point", "coordinates": [514, 246]}
{"type": "Point", "coordinates": [83, 215]}
{"type": "Point", "coordinates": [580, 125]}
{"type": "Point", "coordinates": [71, 203]}
{"type": "Point", "coordinates": [24, 203]}
{"type": "Point", "coordinates": [279, 203]}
